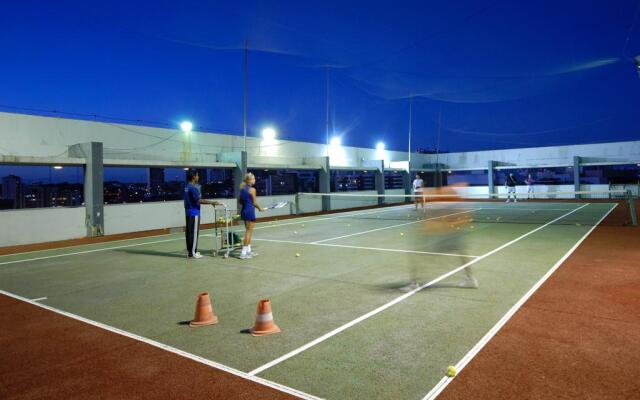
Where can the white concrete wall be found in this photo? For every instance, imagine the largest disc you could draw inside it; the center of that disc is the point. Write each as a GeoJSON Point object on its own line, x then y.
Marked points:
{"type": "Point", "coordinates": [36, 225]}
{"type": "Point", "coordinates": [543, 156]}
{"type": "Point", "coordinates": [135, 217]}
{"type": "Point", "coordinates": [35, 136]}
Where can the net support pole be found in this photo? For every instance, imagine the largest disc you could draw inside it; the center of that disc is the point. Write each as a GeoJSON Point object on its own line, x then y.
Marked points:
{"type": "Point", "coordinates": [325, 183]}
{"type": "Point", "coordinates": [380, 181]}
{"type": "Point", "coordinates": [239, 158]}
{"type": "Point", "coordinates": [297, 204]}
{"type": "Point", "coordinates": [632, 208]}
{"type": "Point", "coordinates": [490, 177]}
{"type": "Point", "coordinates": [406, 182]}
{"type": "Point", "coordinates": [576, 175]}
{"type": "Point", "coordinates": [93, 185]}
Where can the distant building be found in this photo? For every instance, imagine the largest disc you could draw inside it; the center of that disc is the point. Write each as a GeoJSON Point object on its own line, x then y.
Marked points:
{"type": "Point", "coordinates": [422, 150]}
{"type": "Point", "coordinates": [155, 182]}
{"type": "Point", "coordinates": [12, 190]}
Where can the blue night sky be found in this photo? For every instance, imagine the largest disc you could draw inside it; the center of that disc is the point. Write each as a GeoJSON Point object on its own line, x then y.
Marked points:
{"type": "Point", "coordinates": [502, 73]}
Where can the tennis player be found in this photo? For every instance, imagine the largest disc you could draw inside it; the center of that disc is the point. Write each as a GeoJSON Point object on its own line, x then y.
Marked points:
{"type": "Point", "coordinates": [249, 203]}
{"type": "Point", "coordinates": [418, 185]}
{"type": "Point", "coordinates": [529, 181]}
{"type": "Point", "coordinates": [192, 201]}
{"type": "Point", "coordinates": [449, 234]}
{"type": "Point", "coordinates": [510, 184]}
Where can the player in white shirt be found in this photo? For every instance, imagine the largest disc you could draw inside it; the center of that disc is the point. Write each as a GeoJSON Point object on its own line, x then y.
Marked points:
{"type": "Point", "coordinates": [418, 185]}
{"type": "Point", "coordinates": [529, 181]}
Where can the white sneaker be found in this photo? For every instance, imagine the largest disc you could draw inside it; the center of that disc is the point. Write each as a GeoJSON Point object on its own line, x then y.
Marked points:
{"type": "Point", "coordinates": [197, 255]}
{"type": "Point", "coordinates": [469, 283]}
{"type": "Point", "coordinates": [412, 286]}
{"type": "Point", "coordinates": [253, 254]}
{"type": "Point", "coordinates": [245, 256]}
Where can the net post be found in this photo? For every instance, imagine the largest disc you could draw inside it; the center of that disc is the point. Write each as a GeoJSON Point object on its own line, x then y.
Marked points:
{"type": "Point", "coordinates": [379, 182]}
{"type": "Point", "coordinates": [632, 208]}
{"type": "Point", "coordinates": [297, 203]}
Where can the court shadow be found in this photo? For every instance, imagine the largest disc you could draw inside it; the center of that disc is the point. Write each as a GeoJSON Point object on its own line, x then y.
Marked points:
{"type": "Point", "coordinates": [184, 322]}
{"type": "Point", "coordinates": [407, 286]}
{"type": "Point", "coordinates": [153, 253]}
{"type": "Point", "coordinates": [246, 331]}
{"type": "Point", "coordinates": [452, 285]}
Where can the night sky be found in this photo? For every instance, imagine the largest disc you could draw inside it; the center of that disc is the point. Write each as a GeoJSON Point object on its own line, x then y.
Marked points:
{"type": "Point", "coordinates": [501, 73]}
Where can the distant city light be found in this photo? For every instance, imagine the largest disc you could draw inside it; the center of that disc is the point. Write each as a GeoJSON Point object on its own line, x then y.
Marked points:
{"type": "Point", "coordinates": [186, 127]}
{"type": "Point", "coordinates": [269, 133]}
{"type": "Point", "coordinates": [335, 141]}
{"type": "Point", "coordinates": [57, 167]}
{"type": "Point", "coordinates": [380, 146]}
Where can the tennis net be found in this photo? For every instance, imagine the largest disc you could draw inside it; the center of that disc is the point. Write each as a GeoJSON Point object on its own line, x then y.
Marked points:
{"type": "Point", "coordinates": [575, 208]}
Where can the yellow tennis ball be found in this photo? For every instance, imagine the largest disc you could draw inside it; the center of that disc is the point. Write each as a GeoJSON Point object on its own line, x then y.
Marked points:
{"type": "Point", "coordinates": [295, 232]}
{"type": "Point", "coordinates": [348, 224]}
{"type": "Point", "coordinates": [451, 371]}
{"type": "Point", "coordinates": [401, 233]}
{"type": "Point", "coordinates": [297, 254]}
{"type": "Point", "coordinates": [302, 225]}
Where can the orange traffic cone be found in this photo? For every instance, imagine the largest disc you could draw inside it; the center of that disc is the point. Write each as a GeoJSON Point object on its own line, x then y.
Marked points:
{"type": "Point", "coordinates": [204, 312]}
{"type": "Point", "coordinates": [264, 320]}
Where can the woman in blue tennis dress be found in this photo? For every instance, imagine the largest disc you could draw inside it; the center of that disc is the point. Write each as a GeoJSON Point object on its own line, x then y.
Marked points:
{"type": "Point", "coordinates": [249, 204]}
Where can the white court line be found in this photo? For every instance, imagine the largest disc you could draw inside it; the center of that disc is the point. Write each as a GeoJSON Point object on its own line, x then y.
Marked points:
{"type": "Point", "coordinates": [400, 298]}
{"type": "Point", "coordinates": [439, 387]}
{"type": "Point", "coordinates": [342, 215]}
{"type": "Point", "coordinates": [302, 221]}
{"type": "Point", "coordinates": [168, 240]}
{"type": "Point", "coordinates": [87, 244]}
{"type": "Point", "coordinates": [87, 251]}
{"type": "Point", "coordinates": [222, 367]}
{"type": "Point", "coordinates": [365, 248]}
{"type": "Point", "coordinates": [394, 226]}
{"type": "Point", "coordinates": [39, 299]}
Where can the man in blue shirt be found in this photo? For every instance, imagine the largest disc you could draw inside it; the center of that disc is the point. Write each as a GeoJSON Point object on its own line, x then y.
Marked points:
{"type": "Point", "coordinates": [192, 203]}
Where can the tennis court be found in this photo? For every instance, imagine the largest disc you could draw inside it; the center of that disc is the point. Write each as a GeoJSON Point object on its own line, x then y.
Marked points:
{"type": "Point", "coordinates": [340, 287]}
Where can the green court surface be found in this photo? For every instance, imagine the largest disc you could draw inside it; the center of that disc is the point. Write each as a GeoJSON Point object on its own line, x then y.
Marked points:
{"type": "Point", "coordinates": [350, 328]}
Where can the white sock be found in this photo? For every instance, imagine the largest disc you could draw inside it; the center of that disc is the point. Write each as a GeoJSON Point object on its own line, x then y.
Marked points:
{"type": "Point", "coordinates": [244, 250]}
{"type": "Point", "coordinates": [249, 248]}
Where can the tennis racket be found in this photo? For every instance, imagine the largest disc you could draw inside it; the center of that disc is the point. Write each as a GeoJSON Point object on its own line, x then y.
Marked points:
{"type": "Point", "coordinates": [279, 204]}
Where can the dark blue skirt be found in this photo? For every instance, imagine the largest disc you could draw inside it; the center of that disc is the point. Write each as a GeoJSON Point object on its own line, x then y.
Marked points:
{"type": "Point", "coordinates": [248, 214]}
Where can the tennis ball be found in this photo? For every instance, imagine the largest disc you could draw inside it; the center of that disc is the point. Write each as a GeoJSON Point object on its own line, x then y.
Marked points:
{"type": "Point", "coordinates": [297, 254]}
{"type": "Point", "coordinates": [451, 371]}
{"type": "Point", "coordinates": [348, 224]}
{"type": "Point", "coordinates": [401, 233]}
{"type": "Point", "coordinates": [295, 232]}
{"type": "Point", "coordinates": [472, 227]}
{"type": "Point", "coordinates": [302, 226]}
